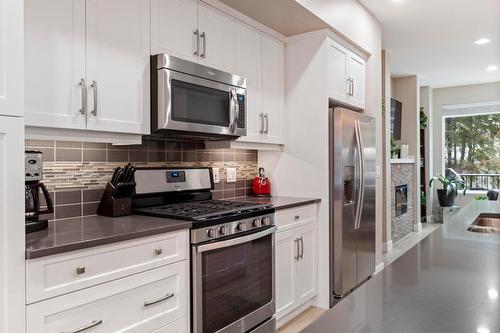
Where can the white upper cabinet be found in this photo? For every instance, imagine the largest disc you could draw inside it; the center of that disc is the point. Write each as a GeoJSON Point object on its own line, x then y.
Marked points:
{"type": "Point", "coordinates": [55, 63]}
{"type": "Point", "coordinates": [248, 64]}
{"type": "Point", "coordinates": [357, 70]}
{"type": "Point", "coordinates": [346, 75]}
{"type": "Point", "coordinates": [87, 64]}
{"type": "Point", "coordinates": [11, 57]}
{"type": "Point", "coordinates": [118, 65]}
{"type": "Point", "coordinates": [273, 89]}
{"type": "Point", "coordinates": [217, 38]}
{"type": "Point", "coordinates": [174, 25]}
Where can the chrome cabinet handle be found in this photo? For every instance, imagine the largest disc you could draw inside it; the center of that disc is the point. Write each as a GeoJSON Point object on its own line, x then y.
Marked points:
{"type": "Point", "coordinates": [158, 251]}
{"type": "Point", "coordinates": [204, 44]}
{"type": "Point", "coordinates": [80, 270]}
{"type": "Point", "coordinates": [261, 115]}
{"type": "Point", "coordinates": [83, 85]}
{"type": "Point", "coordinates": [197, 42]}
{"type": "Point", "coordinates": [159, 300]}
{"type": "Point", "coordinates": [301, 248]}
{"type": "Point", "coordinates": [352, 84]}
{"type": "Point", "coordinates": [93, 324]}
{"type": "Point", "coordinates": [297, 257]}
{"type": "Point", "coordinates": [349, 86]}
{"type": "Point", "coordinates": [94, 88]}
{"type": "Point", "coordinates": [266, 116]}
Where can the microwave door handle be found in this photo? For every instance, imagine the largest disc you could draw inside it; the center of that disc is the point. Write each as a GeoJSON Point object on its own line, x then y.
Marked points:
{"type": "Point", "coordinates": [234, 109]}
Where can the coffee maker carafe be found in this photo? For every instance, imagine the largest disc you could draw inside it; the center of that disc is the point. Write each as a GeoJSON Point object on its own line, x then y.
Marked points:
{"type": "Point", "coordinates": [33, 167]}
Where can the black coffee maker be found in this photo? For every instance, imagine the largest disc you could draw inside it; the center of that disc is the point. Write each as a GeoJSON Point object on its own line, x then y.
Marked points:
{"type": "Point", "coordinates": [33, 166]}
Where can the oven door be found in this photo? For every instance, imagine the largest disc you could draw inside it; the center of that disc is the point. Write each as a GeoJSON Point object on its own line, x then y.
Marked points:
{"type": "Point", "coordinates": [192, 104]}
{"type": "Point", "coordinates": [233, 283]}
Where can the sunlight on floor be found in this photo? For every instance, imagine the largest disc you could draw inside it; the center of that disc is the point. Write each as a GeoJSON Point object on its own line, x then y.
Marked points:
{"type": "Point", "coordinates": [302, 321]}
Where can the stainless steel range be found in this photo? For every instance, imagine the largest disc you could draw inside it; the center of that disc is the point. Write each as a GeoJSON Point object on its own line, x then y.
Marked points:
{"type": "Point", "coordinates": [232, 246]}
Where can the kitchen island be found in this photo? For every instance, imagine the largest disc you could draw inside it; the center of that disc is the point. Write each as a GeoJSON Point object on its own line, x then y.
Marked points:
{"type": "Point", "coordinates": [448, 283]}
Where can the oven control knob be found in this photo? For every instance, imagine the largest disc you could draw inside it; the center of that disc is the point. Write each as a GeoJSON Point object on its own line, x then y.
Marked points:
{"type": "Point", "coordinates": [222, 231]}
{"type": "Point", "coordinates": [256, 223]}
{"type": "Point", "coordinates": [239, 226]}
{"type": "Point", "coordinates": [211, 233]}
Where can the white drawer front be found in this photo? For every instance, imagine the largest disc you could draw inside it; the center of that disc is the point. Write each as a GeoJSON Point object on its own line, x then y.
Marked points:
{"type": "Point", "coordinates": [296, 215]}
{"type": "Point", "coordinates": [117, 306]}
{"type": "Point", "coordinates": [179, 326]}
{"type": "Point", "coordinates": [59, 274]}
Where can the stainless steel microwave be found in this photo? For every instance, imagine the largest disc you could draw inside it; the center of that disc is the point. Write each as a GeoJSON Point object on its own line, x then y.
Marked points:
{"type": "Point", "coordinates": [192, 99]}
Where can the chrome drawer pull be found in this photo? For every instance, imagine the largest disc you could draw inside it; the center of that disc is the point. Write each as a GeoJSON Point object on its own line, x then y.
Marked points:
{"type": "Point", "coordinates": [164, 298]}
{"type": "Point", "coordinates": [158, 251]}
{"type": "Point", "coordinates": [84, 328]}
{"type": "Point", "coordinates": [80, 270]}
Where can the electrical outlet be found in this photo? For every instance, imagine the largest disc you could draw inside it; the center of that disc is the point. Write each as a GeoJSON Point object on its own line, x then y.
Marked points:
{"type": "Point", "coordinates": [215, 172]}
{"type": "Point", "coordinates": [231, 175]}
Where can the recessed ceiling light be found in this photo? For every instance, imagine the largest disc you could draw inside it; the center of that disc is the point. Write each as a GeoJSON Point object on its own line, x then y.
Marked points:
{"type": "Point", "coordinates": [492, 293]}
{"type": "Point", "coordinates": [492, 68]}
{"type": "Point", "coordinates": [482, 41]}
{"type": "Point", "coordinates": [482, 329]}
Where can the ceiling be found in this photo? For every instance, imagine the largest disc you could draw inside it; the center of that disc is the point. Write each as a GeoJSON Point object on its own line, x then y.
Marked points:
{"type": "Point", "coordinates": [435, 39]}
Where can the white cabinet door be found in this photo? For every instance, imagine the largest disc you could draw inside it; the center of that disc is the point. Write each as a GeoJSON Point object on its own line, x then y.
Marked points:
{"type": "Point", "coordinates": [248, 65]}
{"type": "Point", "coordinates": [217, 38]}
{"type": "Point", "coordinates": [307, 264]}
{"type": "Point", "coordinates": [118, 52]}
{"type": "Point", "coordinates": [338, 84]}
{"type": "Point", "coordinates": [357, 69]}
{"type": "Point", "coordinates": [286, 256]}
{"type": "Point", "coordinates": [273, 89]}
{"type": "Point", "coordinates": [173, 27]}
{"type": "Point", "coordinates": [54, 63]}
{"type": "Point", "coordinates": [11, 58]}
{"type": "Point", "coordinates": [12, 233]}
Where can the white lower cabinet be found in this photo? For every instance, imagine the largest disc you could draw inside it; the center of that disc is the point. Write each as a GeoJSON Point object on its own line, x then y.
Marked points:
{"type": "Point", "coordinates": [155, 299]}
{"type": "Point", "coordinates": [296, 261]}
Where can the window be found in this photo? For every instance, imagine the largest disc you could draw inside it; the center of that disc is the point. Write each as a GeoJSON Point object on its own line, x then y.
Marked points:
{"type": "Point", "coordinates": [472, 149]}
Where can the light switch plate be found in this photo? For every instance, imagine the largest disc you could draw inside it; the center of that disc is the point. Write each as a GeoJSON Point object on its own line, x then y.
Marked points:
{"type": "Point", "coordinates": [231, 175]}
{"type": "Point", "coordinates": [215, 172]}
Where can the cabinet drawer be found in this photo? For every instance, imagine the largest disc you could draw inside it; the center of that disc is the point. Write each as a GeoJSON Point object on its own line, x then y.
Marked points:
{"type": "Point", "coordinates": [140, 303]}
{"type": "Point", "coordinates": [179, 326]}
{"type": "Point", "coordinates": [59, 274]}
{"type": "Point", "coordinates": [296, 215]}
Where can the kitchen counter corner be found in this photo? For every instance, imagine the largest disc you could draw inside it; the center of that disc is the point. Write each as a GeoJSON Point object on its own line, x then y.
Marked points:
{"type": "Point", "coordinates": [80, 233]}
{"type": "Point", "coordinates": [281, 202]}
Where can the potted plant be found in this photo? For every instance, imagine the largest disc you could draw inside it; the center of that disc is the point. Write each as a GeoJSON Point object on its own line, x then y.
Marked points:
{"type": "Point", "coordinates": [395, 149]}
{"type": "Point", "coordinates": [423, 118]}
{"type": "Point", "coordinates": [447, 194]}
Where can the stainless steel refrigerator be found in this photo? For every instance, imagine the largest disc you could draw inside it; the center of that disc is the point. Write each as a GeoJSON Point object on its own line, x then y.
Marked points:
{"type": "Point", "coordinates": [352, 200]}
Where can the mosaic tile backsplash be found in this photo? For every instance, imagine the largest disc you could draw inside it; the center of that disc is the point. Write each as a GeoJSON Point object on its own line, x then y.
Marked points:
{"type": "Point", "coordinates": [76, 172]}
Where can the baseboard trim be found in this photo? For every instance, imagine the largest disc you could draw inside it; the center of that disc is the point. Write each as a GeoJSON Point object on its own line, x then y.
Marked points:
{"type": "Point", "coordinates": [380, 267]}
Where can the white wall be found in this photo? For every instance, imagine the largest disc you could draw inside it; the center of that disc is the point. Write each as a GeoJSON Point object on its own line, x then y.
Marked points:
{"type": "Point", "coordinates": [302, 168]}
{"type": "Point", "coordinates": [476, 93]}
{"type": "Point", "coordinates": [426, 97]}
{"type": "Point", "coordinates": [386, 152]}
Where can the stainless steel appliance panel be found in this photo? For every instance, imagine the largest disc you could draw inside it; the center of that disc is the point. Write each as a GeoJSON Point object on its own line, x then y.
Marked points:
{"type": "Point", "coordinates": [366, 223]}
{"type": "Point", "coordinates": [352, 200]}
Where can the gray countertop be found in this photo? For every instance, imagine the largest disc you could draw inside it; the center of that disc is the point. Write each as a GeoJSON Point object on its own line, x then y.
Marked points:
{"type": "Point", "coordinates": [448, 283]}
{"type": "Point", "coordinates": [79, 233]}
{"type": "Point", "coordinates": [281, 202]}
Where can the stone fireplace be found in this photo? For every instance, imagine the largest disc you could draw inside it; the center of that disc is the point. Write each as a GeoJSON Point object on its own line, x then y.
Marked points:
{"type": "Point", "coordinates": [402, 211]}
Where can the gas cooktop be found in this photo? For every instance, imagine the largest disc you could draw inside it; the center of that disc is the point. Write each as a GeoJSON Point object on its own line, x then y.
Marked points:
{"type": "Point", "coordinates": [198, 211]}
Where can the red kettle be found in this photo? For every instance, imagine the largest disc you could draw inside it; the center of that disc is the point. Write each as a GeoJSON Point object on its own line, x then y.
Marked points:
{"type": "Point", "coordinates": [261, 184]}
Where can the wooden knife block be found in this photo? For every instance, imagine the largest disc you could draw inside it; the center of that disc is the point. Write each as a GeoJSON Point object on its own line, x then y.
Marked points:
{"type": "Point", "coordinates": [113, 207]}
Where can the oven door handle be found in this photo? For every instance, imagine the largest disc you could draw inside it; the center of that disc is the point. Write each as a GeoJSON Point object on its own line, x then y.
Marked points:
{"type": "Point", "coordinates": [234, 241]}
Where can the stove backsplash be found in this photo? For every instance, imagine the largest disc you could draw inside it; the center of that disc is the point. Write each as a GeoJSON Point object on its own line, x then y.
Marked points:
{"type": "Point", "coordinates": [76, 172]}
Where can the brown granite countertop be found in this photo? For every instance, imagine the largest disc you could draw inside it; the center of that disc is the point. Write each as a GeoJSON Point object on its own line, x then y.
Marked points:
{"type": "Point", "coordinates": [80, 233]}
{"type": "Point", "coordinates": [281, 202]}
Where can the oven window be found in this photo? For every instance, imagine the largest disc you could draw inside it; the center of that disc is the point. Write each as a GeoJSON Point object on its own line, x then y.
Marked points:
{"type": "Point", "coordinates": [192, 103]}
{"type": "Point", "coordinates": [236, 281]}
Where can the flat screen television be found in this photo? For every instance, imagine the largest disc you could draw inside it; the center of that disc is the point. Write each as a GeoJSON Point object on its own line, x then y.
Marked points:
{"type": "Point", "coordinates": [396, 113]}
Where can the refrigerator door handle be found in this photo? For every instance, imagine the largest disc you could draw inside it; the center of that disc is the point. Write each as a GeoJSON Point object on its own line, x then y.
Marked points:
{"type": "Point", "coordinates": [361, 193]}
{"type": "Point", "coordinates": [361, 177]}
